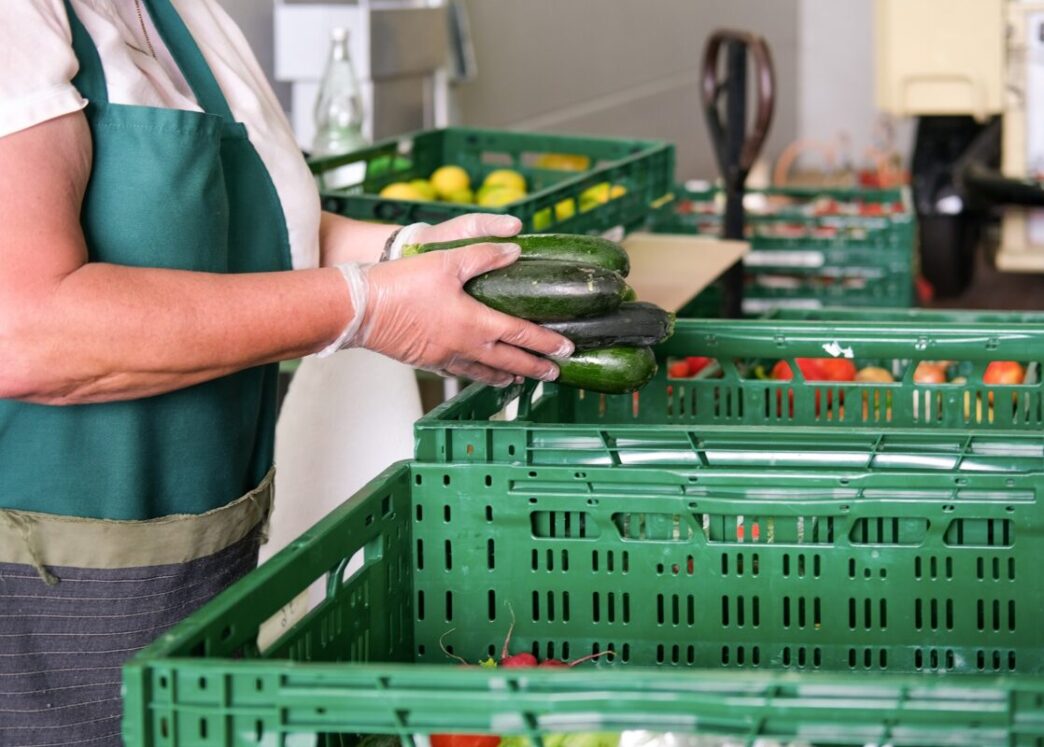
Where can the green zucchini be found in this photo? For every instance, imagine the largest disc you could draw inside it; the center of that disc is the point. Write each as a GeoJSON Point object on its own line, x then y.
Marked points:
{"type": "Point", "coordinates": [630, 295]}
{"type": "Point", "coordinates": [636, 324]}
{"type": "Point", "coordinates": [616, 370]}
{"type": "Point", "coordinates": [544, 291]}
{"type": "Point", "coordinates": [560, 247]}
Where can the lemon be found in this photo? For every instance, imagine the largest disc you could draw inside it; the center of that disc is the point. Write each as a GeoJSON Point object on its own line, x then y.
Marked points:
{"type": "Point", "coordinates": [450, 179]}
{"type": "Point", "coordinates": [563, 162]}
{"type": "Point", "coordinates": [505, 178]}
{"type": "Point", "coordinates": [499, 196]}
{"type": "Point", "coordinates": [617, 190]}
{"type": "Point", "coordinates": [565, 209]}
{"type": "Point", "coordinates": [402, 191]}
{"type": "Point", "coordinates": [463, 197]}
{"type": "Point", "coordinates": [541, 219]}
{"type": "Point", "coordinates": [424, 187]}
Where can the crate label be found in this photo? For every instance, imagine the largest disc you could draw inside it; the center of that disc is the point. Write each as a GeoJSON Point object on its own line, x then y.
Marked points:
{"type": "Point", "coordinates": [763, 258]}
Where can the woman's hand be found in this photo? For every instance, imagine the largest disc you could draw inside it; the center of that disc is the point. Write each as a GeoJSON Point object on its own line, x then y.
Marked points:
{"type": "Point", "coordinates": [470, 226]}
{"type": "Point", "coordinates": [418, 312]}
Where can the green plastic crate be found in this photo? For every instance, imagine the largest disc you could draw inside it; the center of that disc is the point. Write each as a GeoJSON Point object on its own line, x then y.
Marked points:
{"type": "Point", "coordinates": [804, 257]}
{"type": "Point", "coordinates": [827, 608]}
{"type": "Point", "coordinates": [685, 422]}
{"type": "Point", "coordinates": [644, 168]}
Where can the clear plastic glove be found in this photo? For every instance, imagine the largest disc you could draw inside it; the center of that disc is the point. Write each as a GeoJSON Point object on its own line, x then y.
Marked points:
{"type": "Point", "coordinates": [472, 225]}
{"type": "Point", "coordinates": [418, 312]}
{"type": "Point", "coordinates": [415, 310]}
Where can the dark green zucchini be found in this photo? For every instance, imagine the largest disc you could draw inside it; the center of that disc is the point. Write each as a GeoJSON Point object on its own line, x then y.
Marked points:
{"type": "Point", "coordinates": [544, 291]}
{"type": "Point", "coordinates": [636, 324]}
{"type": "Point", "coordinates": [630, 295]}
{"type": "Point", "coordinates": [616, 370]}
{"type": "Point", "coordinates": [560, 247]}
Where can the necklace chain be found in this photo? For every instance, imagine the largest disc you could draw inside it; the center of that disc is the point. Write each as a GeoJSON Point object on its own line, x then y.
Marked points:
{"type": "Point", "coordinates": [144, 30]}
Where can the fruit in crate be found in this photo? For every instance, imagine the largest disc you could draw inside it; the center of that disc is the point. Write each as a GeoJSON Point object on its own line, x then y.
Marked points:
{"type": "Point", "coordinates": [463, 197]}
{"type": "Point", "coordinates": [448, 180]}
{"type": "Point", "coordinates": [1004, 372]}
{"type": "Point", "coordinates": [874, 375]}
{"type": "Point", "coordinates": [498, 196]}
{"type": "Point", "coordinates": [563, 162]}
{"type": "Point", "coordinates": [505, 178]}
{"type": "Point", "coordinates": [424, 187]}
{"type": "Point", "coordinates": [930, 372]}
{"type": "Point", "coordinates": [402, 191]}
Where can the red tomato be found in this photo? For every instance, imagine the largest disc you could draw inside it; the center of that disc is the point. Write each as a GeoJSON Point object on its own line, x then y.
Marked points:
{"type": "Point", "coordinates": [929, 372]}
{"type": "Point", "coordinates": [810, 368]}
{"type": "Point", "coordinates": [464, 740]}
{"type": "Point", "coordinates": [678, 370]}
{"type": "Point", "coordinates": [1004, 372]}
{"type": "Point", "coordinates": [837, 369]}
{"type": "Point", "coordinates": [697, 363]}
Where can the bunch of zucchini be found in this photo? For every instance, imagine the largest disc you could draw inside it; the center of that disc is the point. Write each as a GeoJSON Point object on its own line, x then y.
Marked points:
{"type": "Point", "coordinates": [575, 286]}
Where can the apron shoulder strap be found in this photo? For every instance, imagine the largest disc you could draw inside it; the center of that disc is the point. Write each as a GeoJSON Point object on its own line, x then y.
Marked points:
{"type": "Point", "coordinates": [90, 78]}
{"type": "Point", "coordinates": [189, 58]}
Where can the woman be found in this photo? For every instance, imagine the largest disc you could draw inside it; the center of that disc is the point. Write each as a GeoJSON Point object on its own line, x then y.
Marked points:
{"type": "Point", "coordinates": [152, 206]}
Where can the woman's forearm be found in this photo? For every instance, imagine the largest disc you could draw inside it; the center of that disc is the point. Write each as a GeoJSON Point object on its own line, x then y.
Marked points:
{"type": "Point", "coordinates": [107, 332]}
{"type": "Point", "coordinates": [345, 240]}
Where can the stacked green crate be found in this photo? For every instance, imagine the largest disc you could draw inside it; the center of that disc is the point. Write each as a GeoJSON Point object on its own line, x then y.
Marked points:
{"type": "Point", "coordinates": [810, 248]}
{"type": "Point", "coordinates": [575, 184]}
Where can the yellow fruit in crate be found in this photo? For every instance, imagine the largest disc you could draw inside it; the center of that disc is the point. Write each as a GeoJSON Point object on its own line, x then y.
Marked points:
{"type": "Point", "coordinates": [542, 219]}
{"type": "Point", "coordinates": [617, 190]}
{"type": "Point", "coordinates": [448, 180]}
{"type": "Point", "coordinates": [402, 191]}
{"type": "Point", "coordinates": [565, 209]}
{"type": "Point", "coordinates": [463, 197]}
{"type": "Point", "coordinates": [563, 162]}
{"type": "Point", "coordinates": [498, 197]}
{"type": "Point", "coordinates": [424, 187]}
{"type": "Point", "coordinates": [505, 178]}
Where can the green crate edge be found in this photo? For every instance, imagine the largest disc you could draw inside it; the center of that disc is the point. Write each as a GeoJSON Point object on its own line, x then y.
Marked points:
{"type": "Point", "coordinates": [966, 710]}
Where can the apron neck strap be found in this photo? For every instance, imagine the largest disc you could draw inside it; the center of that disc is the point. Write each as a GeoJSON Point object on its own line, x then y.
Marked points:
{"type": "Point", "coordinates": [90, 78]}
{"type": "Point", "coordinates": [189, 58]}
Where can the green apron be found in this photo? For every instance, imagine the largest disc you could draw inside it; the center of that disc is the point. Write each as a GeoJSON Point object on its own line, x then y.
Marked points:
{"type": "Point", "coordinates": [135, 513]}
{"type": "Point", "coordinates": [173, 189]}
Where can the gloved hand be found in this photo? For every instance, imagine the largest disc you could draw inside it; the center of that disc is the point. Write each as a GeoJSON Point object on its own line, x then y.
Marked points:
{"type": "Point", "coordinates": [472, 225]}
{"type": "Point", "coordinates": [416, 310]}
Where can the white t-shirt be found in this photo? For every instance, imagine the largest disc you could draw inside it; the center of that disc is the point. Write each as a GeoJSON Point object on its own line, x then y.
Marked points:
{"type": "Point", "coordinates": [37, 65]}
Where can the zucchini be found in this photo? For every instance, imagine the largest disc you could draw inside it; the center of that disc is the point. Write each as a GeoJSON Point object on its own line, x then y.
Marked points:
{"type": "Point", "coordinates": [637, 324]}
{"type": "Point", "coordinates": [630, 295]}
{"type": "Point", "coordinates": [544, 291]}
{"type": "Point", "coordinates": [560, 247]}
{"type": "Point", "coordinates": [616, 370]}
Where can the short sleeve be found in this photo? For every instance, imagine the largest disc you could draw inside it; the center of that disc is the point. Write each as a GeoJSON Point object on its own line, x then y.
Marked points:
{"type": "Point", "coordinates": [37, 64]}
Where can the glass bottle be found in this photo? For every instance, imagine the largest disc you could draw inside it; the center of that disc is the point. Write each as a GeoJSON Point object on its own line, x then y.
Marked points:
{"type": "Point", "coordinates": [338, 109]}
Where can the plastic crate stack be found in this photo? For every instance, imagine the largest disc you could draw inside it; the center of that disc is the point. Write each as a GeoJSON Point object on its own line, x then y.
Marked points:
{"type": "Point", "coordinates": [810, 248]}
{"type": "Point", "coordinates": [772, 562]}
{"type": "Point", "coordinates": [576, 184]}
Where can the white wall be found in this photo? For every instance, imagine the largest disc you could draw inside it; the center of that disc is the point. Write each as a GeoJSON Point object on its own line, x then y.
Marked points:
{"type": "Point", "coordinates": [618, 68]}
{"type": "Point", "coordinates": [836, 76]}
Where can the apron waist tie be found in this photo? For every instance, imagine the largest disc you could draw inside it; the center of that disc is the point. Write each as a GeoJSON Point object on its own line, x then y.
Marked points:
{"type": "Point", "coordinates": [24, 526]}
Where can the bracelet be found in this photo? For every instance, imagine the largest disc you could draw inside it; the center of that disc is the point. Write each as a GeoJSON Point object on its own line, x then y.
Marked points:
{"type": "Point", "coordinates": [386, 254]}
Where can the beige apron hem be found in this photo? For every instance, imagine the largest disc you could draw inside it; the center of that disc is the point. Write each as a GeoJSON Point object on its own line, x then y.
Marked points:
{"type": "Point", "coordinates": [41, 539]}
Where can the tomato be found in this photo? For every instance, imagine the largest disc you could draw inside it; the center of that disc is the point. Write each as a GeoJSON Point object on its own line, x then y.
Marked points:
{"type": "Point", "coordinates": [1004, 372]}
{"type": "Point", "coordinates": [464, 740]}
{"type": "Point", "coordinates": [810, 368]}
{"type": "Point", "coordinates": [697, 363]}
{"type": "Point", "coordinates": [837, 369]}
{"type": "Point", "coordinates": [874, 375]}
{"type": "Point", "coordinates": [678, 370]}
{"type": "Point", "coordinates": [930, 372]}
